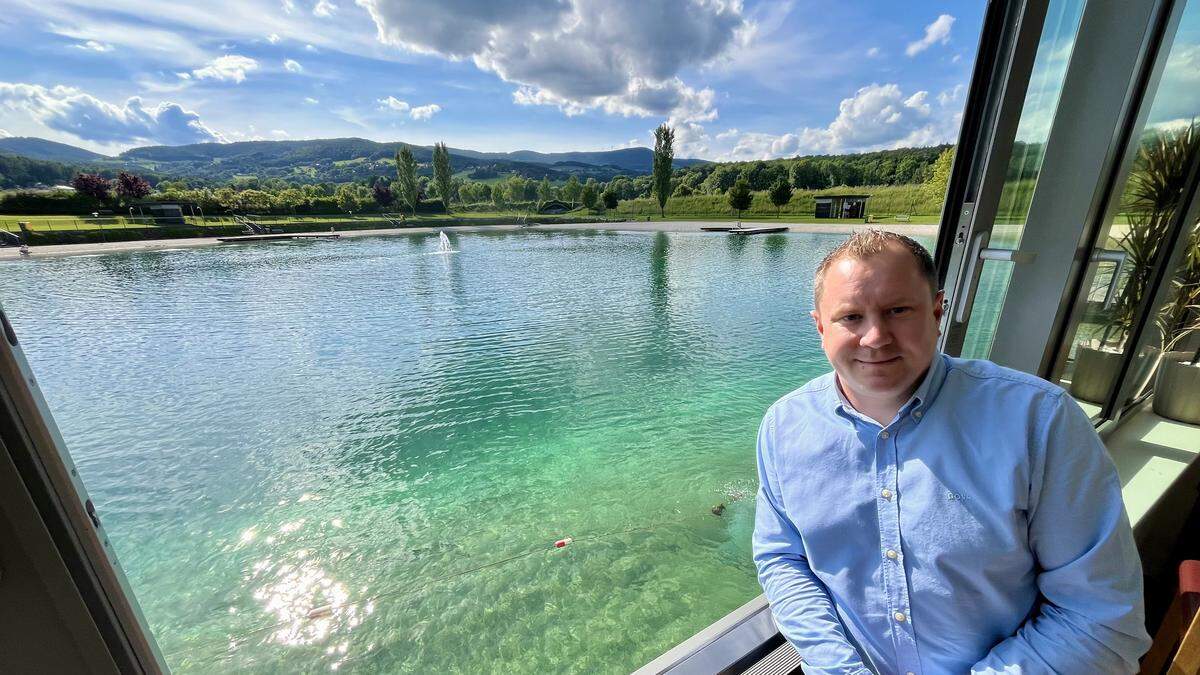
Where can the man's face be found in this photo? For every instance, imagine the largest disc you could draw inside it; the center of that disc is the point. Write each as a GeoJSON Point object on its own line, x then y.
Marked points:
{"type": "Point", "coordinates": [879, 325]}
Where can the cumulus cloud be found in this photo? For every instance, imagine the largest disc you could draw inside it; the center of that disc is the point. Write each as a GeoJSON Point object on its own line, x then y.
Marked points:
{"type": "Point", "coordinates": [230, 67]}
{"type": "Point", "coordinates": [5, 134]}
{"type": "Point", "coordinates": [94, 46]}
{"type": "Point", "coordinates": [873, 52]}
{"type": "Point", "coordinates": [424, 112]}
{"type": "Point", "coordinates": [938, 31]}
{"type": "Point", "coordinates": [72, 111]}
{"type": "Point", "coordinates": [620, 56]}
{"type": "Point", "coordinates": [292, 66]}
{"type": "Point", "coordinates": [877, 117]}
{"type": "Point", "coordinates": [324, 8]}
{"type": "Point", "coordinates": [273, 38]}
{"type": "Point", "coordinates": [289, 6]}
{"type": "Point", "coordinates": [279, 133]}
{"type": "Point", "coordinates": [395, 104]}
{"type": "Point", "coordinates": [310, 100]}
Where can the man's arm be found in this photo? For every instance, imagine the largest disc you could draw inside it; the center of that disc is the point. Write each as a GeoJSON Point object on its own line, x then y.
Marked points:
{"type": "Point", "coordinates": [1091, 617]}
{"type": "Point", "coordinates": [801, 606]}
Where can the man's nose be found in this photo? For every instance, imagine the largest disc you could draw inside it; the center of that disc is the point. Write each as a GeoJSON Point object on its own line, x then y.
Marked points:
{"type": "Point", "coordinates": [877, 335]}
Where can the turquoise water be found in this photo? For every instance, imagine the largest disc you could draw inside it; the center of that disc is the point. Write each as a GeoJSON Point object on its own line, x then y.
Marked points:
{"type": "Point", "coordinates": [401, 437]}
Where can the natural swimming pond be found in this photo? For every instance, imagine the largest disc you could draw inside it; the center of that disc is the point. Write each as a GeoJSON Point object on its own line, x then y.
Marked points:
{"type": "Point", "coordinates": [359, 454]}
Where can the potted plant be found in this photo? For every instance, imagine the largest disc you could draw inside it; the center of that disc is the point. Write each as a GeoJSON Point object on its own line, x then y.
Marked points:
{"type": "Point", "coordinates": [1155, 188]}
{"type": "Point", "coordinates": [1177, 386]}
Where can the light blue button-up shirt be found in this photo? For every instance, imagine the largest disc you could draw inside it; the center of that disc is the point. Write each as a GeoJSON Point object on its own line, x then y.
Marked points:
{"type": "Point", "coordinates": [981, 530]}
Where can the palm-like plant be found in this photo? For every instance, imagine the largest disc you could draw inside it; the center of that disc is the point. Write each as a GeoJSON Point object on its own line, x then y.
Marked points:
{"type": "Point", "coordinates": [1180, 317]}
{"type": "Point", "coordinates": [1152, 196]}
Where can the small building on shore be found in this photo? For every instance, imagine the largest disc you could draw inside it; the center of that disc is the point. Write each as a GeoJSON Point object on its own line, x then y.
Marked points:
{"type": "Point", "coordinates": [166, 213]}
{"type": "Point", "coordinates": [841, 206]}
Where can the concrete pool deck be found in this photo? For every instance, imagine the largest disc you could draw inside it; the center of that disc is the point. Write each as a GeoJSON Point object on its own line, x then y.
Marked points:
{"type": "Point", "coordinates": [56, 250]}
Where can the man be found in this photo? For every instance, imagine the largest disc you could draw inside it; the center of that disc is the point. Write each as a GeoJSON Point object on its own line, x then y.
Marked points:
{"type": "Point", "coordinates": [924, 514]}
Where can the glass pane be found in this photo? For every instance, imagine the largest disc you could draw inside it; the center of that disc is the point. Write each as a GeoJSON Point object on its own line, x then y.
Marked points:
{"type": "Point", "coordinates": [1037, 114]}
{"type": "Point", "coordinates": [1041, 99]}
{"type": "Point", "coordinates": [1118, 278]}
{"type": "Point", "coordinates": [989, 299]}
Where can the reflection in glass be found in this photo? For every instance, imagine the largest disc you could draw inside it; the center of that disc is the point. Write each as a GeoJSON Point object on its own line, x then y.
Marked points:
{"type": "Point", "coordinates": [1037, 113]}
{"type": "Point", "coordinates": [1118, 279]}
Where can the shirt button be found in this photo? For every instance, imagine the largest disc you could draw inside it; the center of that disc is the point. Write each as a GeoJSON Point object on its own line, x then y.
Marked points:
{"type": "Point", "coordinates": [886, 494]}
{"type": "Point", "coordinates": [916, 414]}
{"type": "Point", "coordinates": [900, 617]}
{"type": "Point", "coordinates": [892, 555]}
{"type": "Point", "coordinates": [884, 434]}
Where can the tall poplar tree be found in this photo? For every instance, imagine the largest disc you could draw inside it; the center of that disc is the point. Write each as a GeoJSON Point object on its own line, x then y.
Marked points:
{"type": "Point", "coordinates": [442, 174]}
{"type": "Point", "coordinates": [664, 155]}
{"type": "Point", "coordinates": [406, 170]}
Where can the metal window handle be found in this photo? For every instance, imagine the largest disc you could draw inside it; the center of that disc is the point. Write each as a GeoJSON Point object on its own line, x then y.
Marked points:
{"type": "Point", "coordinates": [1108, 255]}
{"type": "Point", "coordinates": [978, 253]}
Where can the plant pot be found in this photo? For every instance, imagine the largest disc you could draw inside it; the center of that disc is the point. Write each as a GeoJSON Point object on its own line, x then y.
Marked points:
{"type": "Point", "coordinates": [1177, 389]}
{"type": "Point", "coordinates": [1095, 373]}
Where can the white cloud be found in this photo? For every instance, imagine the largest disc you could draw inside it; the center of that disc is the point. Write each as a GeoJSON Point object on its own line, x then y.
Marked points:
{"type": "Point", "coordinates": [424, 112]}
{"type": "Point", "coordinates": [292, 66]}
{"type": "Point", "coordinates": [310, 100]}
{"type": "Point", "coordinates": [274, 38]}
{"type": "Point", "coordinates": [5, 134]}
{"type": "Point", "coordinates": [395, 104]}
{"type": "Point", "coordinates": [324, 8]}
{"type": "Point", "coordinates": [938, 31]}
{"type": "Point", "coordinates": [279, 133]}
{"type": "Point", "coordinates": [877, 117]}
{"type": "Point", "coordinates": [309, 48]}
{"type": "Point", "coordinates": [620, 56]}
{"type": "Point", "coordinates": [229, 67]}
{"type": "Point", "coordinates": [92, 45]}
{"type": "Point", "coordinates": [289, 6]}
{"type": "Point", "coordinates": [873, 52]}
{"type": "Point", "coordinates": [72, 111]}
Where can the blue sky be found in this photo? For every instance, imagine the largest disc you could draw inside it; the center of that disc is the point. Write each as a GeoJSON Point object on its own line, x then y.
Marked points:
{"type": "Point", "coordinates": [738, 80]}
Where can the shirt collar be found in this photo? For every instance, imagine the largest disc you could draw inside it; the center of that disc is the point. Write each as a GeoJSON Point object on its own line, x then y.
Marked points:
{"type": "Point", "coordinates": [922, 398]}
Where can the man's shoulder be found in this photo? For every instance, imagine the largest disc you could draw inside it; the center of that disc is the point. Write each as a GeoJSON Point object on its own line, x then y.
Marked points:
{"type": "Point", "coordinates": [985, 376]}
{"type": "Point", "coordinates": [814, 392]}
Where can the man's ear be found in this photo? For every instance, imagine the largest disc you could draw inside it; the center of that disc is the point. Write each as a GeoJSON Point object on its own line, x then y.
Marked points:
{"type": "Point", "coordinates": [939, 306]}
{"type": "Point", "coordinates": [816, 316]}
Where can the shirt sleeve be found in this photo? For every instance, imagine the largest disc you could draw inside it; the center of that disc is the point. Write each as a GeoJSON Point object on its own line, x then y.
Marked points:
{"type": "Point", "coordinates": [1090, 618]}
{"type": "Point", "coordinates": [799, 601]}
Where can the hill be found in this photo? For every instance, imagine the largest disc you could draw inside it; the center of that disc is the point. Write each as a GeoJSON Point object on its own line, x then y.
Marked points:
{"type": "Point", "coordinates": [333, 160]}
{"type": "Point", "coordinates": [40, 148]}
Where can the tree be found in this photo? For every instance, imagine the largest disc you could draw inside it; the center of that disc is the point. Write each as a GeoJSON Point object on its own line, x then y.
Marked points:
{"type": "Point", "coordinates": [588, 195]}
{"type": "Point", "coordinates": [545, 190]}
{"type": "Point", "coordinates": [720, 180]}
{"type": "Point", "coordinates": [739, 196]}
{"type": "Point", "coordinates": [92, 185]}
{"type": "Point", "coordinates": [406, 170]}
{"type": "Point", "coordinates": [610, 198]}
{"type": "Point", "coordinates": [516, 188]}
{"type": "Point", "coordinates": [571, 190]}
{"type": "Point", "coordinates": [442, 174]}
{"type": "Point", "coordinates": [781, 194]}
{"type": "Point", "coordinates": [664, 156]}
{"type": "Point", "coordinates": [382, 193]}
{"type": "Point", "coordinates": [131, 186]}
{"type": "Point", "coordinates": [807, 175]}
{"type": "Point", "coordinates": [939, 177]}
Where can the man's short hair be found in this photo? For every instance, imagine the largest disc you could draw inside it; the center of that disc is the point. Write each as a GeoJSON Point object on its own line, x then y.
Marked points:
{"type": "Point", "coordinates": [865, 243]}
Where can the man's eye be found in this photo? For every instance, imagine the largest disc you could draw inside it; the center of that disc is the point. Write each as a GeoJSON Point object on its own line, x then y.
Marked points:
{"type": "Point", "coordinates": [901, 310]}
{"type": "Point", "coordinates": [850, 317]}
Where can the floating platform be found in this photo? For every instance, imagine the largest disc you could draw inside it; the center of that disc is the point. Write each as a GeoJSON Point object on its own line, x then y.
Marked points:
{"type": "Point", "coordinates": [275, 237]}
{"type": "Point", "coordinates": [758, 230]}
{"type": "Point", "coordinates": [716, 228]}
